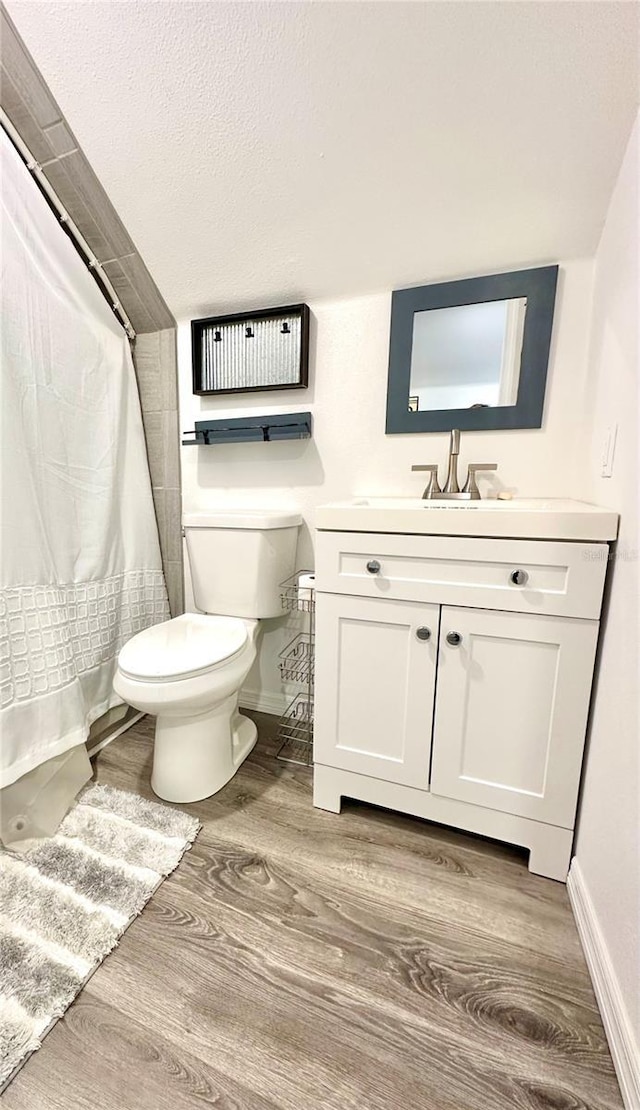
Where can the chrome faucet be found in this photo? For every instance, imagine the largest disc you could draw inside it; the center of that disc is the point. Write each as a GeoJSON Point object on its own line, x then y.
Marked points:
{"type": "Point", "coordinates": [452, 491]}
{"type": "Point", "coordinates": [451, 486]}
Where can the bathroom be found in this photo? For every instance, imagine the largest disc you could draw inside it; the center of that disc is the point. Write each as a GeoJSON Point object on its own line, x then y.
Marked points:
{"type": "Point", "coordinates": [225, 158]}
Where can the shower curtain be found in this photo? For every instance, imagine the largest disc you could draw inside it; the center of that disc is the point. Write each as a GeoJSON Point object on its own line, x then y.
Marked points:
{"type": "Point", "coordinates": [80, 568]}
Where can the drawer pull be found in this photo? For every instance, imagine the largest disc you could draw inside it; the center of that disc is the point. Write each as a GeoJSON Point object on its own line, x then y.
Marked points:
{"type": "Point", "coordinates": [373, 566]}
{"type": "Point", "coordinates": [454, 638]}
{"type": "Point", "coordinates": [423, 633]}
{"type": "Point", "coordinates": [519, 577]}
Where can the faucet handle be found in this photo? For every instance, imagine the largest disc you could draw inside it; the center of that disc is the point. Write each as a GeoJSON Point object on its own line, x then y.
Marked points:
{"type": "Point", "coordinates": [432, 489]}
{"type": "Point", "coordinates": [471, 486]}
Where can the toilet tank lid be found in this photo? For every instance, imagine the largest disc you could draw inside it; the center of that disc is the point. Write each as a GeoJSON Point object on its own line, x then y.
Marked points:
{"type": "Point", "coordinates": [257, 519]}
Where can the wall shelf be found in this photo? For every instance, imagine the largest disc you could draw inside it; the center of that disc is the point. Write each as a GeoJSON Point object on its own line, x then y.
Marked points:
{"type": "Point", "coordinates": [296, 660]}
{"type": "Point", "coordinates": [250, 429]}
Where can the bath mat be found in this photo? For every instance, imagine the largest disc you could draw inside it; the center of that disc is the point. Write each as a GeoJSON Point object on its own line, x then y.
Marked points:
{"type": "Point", "coordinates": [65, 903]}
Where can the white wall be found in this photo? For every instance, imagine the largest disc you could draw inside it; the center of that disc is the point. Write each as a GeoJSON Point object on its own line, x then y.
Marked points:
{"type": "Point", "coordinates": [607, 842]}
{"type": "Point", "coordinates": [349, 453]}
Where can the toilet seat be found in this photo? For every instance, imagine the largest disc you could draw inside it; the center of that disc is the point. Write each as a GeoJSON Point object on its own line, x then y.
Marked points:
{"type": "Point", "coordinates": [184, 647]}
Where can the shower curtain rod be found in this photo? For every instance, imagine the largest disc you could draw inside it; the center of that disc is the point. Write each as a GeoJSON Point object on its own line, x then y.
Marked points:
{"type": "Point", "coordinates": [78, 239]}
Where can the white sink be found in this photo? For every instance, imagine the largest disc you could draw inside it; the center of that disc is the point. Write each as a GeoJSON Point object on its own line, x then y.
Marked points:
{"type": "Point", "coordinates": [520, 518]}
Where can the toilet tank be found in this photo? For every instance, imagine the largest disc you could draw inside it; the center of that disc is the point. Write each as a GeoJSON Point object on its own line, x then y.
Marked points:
{"type": "Point", "coordinates": [238, 558]}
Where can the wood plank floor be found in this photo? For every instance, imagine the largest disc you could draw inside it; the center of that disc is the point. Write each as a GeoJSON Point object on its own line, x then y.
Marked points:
{"type": "Point", "coordinates": [306, 961]}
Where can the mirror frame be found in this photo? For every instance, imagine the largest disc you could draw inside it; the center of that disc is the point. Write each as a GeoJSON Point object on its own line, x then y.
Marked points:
{"type": "Point", "coordinates": [538, 286]}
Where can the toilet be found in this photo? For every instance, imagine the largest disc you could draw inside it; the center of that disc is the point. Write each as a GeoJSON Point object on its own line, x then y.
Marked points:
{"type": "Point", "coordinates": [188, 671]}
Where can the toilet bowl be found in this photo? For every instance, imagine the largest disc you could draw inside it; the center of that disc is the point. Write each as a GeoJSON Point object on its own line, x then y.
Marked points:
{"type": "Point", "coordinates": [188, 671]}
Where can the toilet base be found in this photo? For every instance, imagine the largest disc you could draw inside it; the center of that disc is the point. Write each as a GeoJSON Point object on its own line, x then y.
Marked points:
{"type": "Point", "coordinates": [194, 757]}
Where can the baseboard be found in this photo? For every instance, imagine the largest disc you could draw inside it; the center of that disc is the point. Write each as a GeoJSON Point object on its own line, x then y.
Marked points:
{"type": "Point", "coordinates": [118, 730]}
{"type": "Point", "coordinates": [264, 702]}
{"type": "Point", "coordinates": [624, 1051]}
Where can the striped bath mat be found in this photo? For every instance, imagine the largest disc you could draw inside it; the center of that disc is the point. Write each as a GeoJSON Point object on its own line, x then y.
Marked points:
{"type": "Point", "coordinates": [65, 903]}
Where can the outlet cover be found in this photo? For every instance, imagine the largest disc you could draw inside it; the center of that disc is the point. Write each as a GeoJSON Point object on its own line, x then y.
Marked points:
{"type": "Point", "coordinates": [609, 450]}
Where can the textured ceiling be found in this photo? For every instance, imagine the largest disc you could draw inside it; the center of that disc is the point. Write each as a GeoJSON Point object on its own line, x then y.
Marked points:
{"type": "Point", "coordinates": [261, 153]}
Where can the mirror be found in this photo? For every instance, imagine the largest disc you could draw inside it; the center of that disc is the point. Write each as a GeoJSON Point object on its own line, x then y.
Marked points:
{"type": "Point", "coordinates": [467, 357]}
{"type": "Point", "coordinates": [471, 354]}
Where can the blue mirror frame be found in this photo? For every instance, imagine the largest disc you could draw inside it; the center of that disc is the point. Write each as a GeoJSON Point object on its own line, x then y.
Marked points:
{"type": "Point", "coordinates": [538, 286]}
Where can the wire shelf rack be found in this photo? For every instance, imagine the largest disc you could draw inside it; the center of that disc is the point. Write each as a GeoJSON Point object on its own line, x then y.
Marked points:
{"type": "Point", "coordinates": [296, 660]}
{"type": "Point", "coordinates": [295, 728]}
{"type": "Point", "coordinates": [293, 598]}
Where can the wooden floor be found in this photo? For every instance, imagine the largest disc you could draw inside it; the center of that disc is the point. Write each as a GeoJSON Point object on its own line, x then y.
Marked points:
{"type": "Point", "coordinates": [309, 961]}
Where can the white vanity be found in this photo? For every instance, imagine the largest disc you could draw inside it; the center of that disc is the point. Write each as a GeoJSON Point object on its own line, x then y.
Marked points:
{"type": "Point", "coordinates": [455, 648]}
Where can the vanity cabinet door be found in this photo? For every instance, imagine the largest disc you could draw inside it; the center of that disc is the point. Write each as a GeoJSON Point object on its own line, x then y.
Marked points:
{"type": "Point", "coordinates": [375, 678]}
{"type": "Point", "coordinates": [511, 711]}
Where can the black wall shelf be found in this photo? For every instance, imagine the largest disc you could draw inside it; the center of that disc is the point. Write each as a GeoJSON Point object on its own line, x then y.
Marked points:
{"type": "Point", "coordinates": [250, 429]}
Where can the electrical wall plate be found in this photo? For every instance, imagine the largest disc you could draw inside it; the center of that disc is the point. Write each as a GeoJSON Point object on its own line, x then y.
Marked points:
{"type": "Point", "coordinates": [608, 451]}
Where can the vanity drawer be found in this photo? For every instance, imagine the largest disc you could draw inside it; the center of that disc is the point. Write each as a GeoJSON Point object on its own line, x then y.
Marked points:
{"type": "Point", "coordinates": [524, 576]}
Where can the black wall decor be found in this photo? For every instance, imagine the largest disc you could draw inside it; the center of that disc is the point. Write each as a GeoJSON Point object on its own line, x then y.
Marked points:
{"type": "Point", "coordinates": [250, 351]}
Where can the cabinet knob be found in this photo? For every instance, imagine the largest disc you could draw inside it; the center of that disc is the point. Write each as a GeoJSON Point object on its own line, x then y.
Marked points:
{"type": "Point", "coordinates": [454, 638]}
{"type": "Point", "coordinates": [373, 566]}
{"type": "Point", "coordinates": [423, 633]}
{"type": "Point", "coordinates": [519, 577]}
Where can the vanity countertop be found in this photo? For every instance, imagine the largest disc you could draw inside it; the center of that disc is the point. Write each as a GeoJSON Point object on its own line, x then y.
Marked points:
{"type": "Point", "coordinates": [544, 518]}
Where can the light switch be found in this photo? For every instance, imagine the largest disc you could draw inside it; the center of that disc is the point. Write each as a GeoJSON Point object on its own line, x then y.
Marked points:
{"type": "Point", "coordinates": [609, 450]}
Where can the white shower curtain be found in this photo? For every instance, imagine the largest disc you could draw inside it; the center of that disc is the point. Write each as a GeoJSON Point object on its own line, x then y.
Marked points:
{"type": "Point", "coordinates": [80, 567]}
